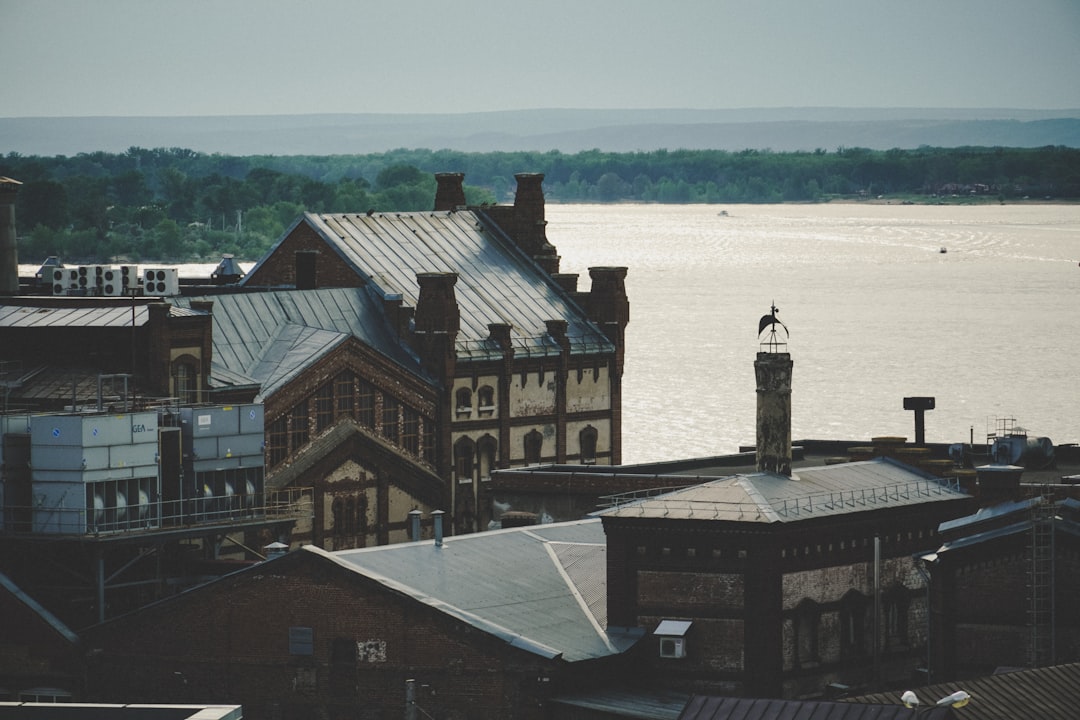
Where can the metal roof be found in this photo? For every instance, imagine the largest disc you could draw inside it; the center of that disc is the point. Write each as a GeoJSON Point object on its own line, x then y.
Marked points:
{"type": "Point", "coordinates": [810, 493]}
{"type": "Point", "coordinates": [1049, 693]}
{"type": "Point", "coordinates": [703, 707]}
{"type": "Point", "coordinates": [271, 337]}
{"type": "Point", "coordinates": [541, 588]}
{"type": "Point", "coordinates": [640, 704]}
{"type": "Point", "coordinates": [497, 282]}
{"type": "Point", "coordinates": [91, 315]}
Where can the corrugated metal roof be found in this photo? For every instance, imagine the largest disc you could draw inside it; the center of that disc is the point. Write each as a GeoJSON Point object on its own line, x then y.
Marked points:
{"type": "Point", "coordinates": [811, 493]}
{"type": "Point", "coordinates": [536, 587]}
{"type": "Point", "coordinates": [1050, 693]}
{"type": "Point", "coordinates": [497, 283]}
{"type": "Point", "coordinates": [271, 337]}
{"type": "Point", "coordinates": [91, 315]}
{"type": "Point", "coordinates": [640, 704]}
{"type": "Point", "coordinates": [703, 707]}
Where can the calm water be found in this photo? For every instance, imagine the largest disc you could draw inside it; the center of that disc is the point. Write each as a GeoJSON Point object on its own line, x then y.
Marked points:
{"type": "Point", "coordinates": [876, 313]}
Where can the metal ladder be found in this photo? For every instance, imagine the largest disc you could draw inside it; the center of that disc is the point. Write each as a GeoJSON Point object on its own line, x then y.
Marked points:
{"type": "Point", "coordinates": [1041, 581]}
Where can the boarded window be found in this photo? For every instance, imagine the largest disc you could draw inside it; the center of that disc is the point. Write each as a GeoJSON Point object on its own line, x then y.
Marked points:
{"type": "Point", "coordinates": [301, 640]}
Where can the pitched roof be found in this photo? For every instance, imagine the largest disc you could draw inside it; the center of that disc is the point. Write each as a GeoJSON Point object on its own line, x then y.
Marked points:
{"type": "Point", "coordinates": [270, 337]}
{"type": "Point", "coordinates": [1049, 693]}
{"type": "Point", "coordinates": [89, 315]}
{"type": "Point", "coordinates": [540, 588]}
{"type": "Point", "coordinates": [497, 282]}
{"type": "Point", "coordinates": [812, 492]}
{"type": "Point", "coordinates": [702, 707]}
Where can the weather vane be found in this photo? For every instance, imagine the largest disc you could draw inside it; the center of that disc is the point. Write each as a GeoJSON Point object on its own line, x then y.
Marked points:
{"type": "Point", "coordinates": [773, 343]}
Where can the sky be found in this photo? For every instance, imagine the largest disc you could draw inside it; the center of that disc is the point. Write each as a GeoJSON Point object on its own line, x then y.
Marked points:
{"type": "Point", "coordinates": [271, 57]}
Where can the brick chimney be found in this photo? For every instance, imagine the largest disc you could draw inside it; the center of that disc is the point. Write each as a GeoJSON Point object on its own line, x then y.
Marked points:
{"type": "Point", "coordinates": [773, 448]}
{"type": "Point", "coordinates": [450, 193]}
{"type": "Point", "coordinates": [437, 320]}
{"type": "Point", "coordinates": [608, 306]}
{"type": "Point", "coordinates": [9, 250]}
{"type": "Point", "coordinates": [529, 222]}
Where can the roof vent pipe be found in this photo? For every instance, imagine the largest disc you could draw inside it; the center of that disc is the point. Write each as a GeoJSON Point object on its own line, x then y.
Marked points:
{"type": "Point", "coordinates": [437, 516]}
{"type": "Point", "coordinates": [414, 525]}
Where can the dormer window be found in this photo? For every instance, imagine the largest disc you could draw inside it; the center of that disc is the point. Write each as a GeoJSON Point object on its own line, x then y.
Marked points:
{"type": "Point", "coordinates": [672, 635]}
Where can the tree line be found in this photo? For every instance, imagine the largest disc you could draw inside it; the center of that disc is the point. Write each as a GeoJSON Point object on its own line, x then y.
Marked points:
{"type": "Point", "coordinates": [175, 204]}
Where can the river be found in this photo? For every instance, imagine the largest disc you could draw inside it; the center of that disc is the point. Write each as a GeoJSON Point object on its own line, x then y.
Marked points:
{"type": "Point", "coordinates": [876, 312]}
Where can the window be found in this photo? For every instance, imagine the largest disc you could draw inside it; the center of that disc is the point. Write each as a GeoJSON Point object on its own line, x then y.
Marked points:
{"type": "Point", "coordinates": [298, 427]}
{"type": "Point", "coordinates": [807, 617]}
{"type": "Point", "coordinates": [464, 454]}
{"type": "Point", "coordinates": [301, 641]}
{"type": "Point", "coordinates": [428, 434]}
{"type": "Point", "coordinates": [365, 404]}
{"type": "Point", "coordinates": [463, 401]}
{"type": "Point", "coordinates": [324, 407]}
{"type": "Point", "coordinates": [587, 439]}
{"type": "Point", "coordinates": [185, 382]}
{"type": "Point", "coordinates": [896, 616]}
{"type": "Point", "coordinates": [486, 448]}
{"type": "Point", "coordinates": [485, 398]}
{"type": "Point", "coordinates": [277, 446]}
{"type": "Point", "coordinates": [534, 443]}
{"type": "Point", "coordinates": [853, 624]}
{"type": "Point", "coordinates": [410, 430]}
{"type": "Point", "coordinates": [390, 428]}
{"type": "Point", "coordinates": [343, 395]}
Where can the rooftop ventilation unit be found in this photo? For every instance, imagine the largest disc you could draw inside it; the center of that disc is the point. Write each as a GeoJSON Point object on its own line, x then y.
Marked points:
{"type": "Point", "coordinates": [161, 282]}
{"type": "Point", "coordinates": [110, 283]}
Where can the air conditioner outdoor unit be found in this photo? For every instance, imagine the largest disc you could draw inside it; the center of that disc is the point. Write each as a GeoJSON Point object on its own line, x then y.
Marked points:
{"type": "Point", "coordinates": [61, 281]}
{"type": "Point", "coordinates": [672, 647]}
{"type": "Point", "coordinates": [110, 283]}
{"type": "Point", "coordinates": [161, 282]}
{"type": "Point", "coordinates": [129, 278]}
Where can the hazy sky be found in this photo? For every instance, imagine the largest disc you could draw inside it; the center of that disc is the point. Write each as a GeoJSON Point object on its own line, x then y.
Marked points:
{"type": "Point", "coordinates": [222, 57]}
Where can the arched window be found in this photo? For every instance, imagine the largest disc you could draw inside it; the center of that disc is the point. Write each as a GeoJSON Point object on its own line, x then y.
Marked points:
{"type": "Point", "coordinates": [534, 445]}
{"type": "Point", "coordinates": [807, 617]}
{"type": "Point", "coordinates": [464, 459]}
{"type": "Point", "coordinates": [463, 401]}
{"type": "Point", "coordinates": [896, 603]}
{"type": "Point", "coordinates": [853, 624]}
{"type": "Point", "coordinates": [185, 380]}
{"type": "Point", "coordinates": [485, 399]}
{"type": "Point", "coordinates": [587, 439]}
{"type": "Point", "coordinates": [486, 451]}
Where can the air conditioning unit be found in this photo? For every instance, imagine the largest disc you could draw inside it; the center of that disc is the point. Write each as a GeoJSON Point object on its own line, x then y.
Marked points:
{"type": "Point", "coordinates": [672, 647]}
{"type": "Point", "coordinates": [130, 278]}
{"type": "Point", "coordinates": [61, 280]}
{"type": "Point", "coordinates": [110, 283]}
{"type": "Point", "coordinates": [162, 282]}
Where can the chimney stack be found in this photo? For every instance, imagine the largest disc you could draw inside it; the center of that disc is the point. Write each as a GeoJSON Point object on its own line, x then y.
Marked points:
{"type": "Point", "coordinates": [773, 371]}
{"type": "Point", "coordinates": [450, 191]}
{"type": "Point", "coordinates": [530, 224]}
{"type": "Point", "coordinates": [9, 249]}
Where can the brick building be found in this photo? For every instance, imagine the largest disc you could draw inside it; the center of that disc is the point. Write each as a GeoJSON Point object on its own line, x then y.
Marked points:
{"type": "Point", "coordinates": [402, 357]}
{"type": "Point", "coordinates": [317, 634]}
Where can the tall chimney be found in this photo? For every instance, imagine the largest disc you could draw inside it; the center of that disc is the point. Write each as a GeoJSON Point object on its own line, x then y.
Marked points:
{"type": "Point", "coordinates": [9, 249]}
{"type": "Point", "coordinates": [529, 221]}
{"type": "Point", "coordinates": [773, 371]}
{"type": "Point", "coordinates": [437, 320]}
{"type": "Point", "coordinates": [450, 191]}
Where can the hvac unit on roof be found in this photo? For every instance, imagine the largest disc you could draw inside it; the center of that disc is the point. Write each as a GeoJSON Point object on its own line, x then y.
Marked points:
{"type": "Point", "coordinates": [109, 282]}
{"type": "Point", "coordinates": [161, 282]}
{"type": "Point", "coordinates": [61, 280]}
{"type": "Point", "coordinates": [130, 279]}
{"type": "Point", "coordinates": [672, 635]}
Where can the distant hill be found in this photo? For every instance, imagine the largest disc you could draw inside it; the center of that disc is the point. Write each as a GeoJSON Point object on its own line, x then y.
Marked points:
{"type": "Point", "coordinates": [778, 129]}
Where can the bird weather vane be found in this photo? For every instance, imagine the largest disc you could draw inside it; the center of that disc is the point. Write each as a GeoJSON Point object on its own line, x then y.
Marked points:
{"type": "Point", "coordinates": [771, 321]}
